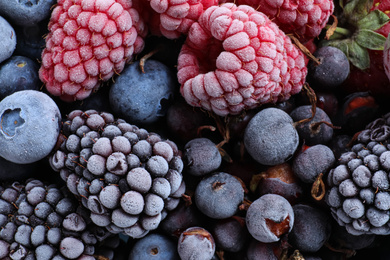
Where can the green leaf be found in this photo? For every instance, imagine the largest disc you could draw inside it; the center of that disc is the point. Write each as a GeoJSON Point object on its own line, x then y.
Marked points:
{"type": "Point", "coordinates": [355, 10]}
{"type": "Point", "coordinates": [373, 21]}
{"type": "Point", "coordinates": [370, 39]}
{"type": "Point", "coordinates": [358, 55]}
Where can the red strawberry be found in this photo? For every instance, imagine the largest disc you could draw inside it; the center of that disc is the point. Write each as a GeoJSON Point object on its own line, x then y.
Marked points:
{"type": "Point", "coordinates": [88, 41]}
{"type": "Point", "coordinates": [235, 58]}
{"type": "Point", "coordinates": [303, 18]}
{"type": "Point", "coordinates": [361, 34]}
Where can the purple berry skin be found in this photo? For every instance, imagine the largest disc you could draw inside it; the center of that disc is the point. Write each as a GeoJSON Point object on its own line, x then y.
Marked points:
{"type": "Point", "coordinates": [312, 228]}
{"type": "Point", "coordinates": [143, 98]}
{"type": "Point", "coordinates": [196, 243]}
{"type": "Point", "coordinates": [331, 72]}
{"type": "Point", "coordinates": [8, 38]}
{"type": "Point", "coordinates": [269, 217]}
{"type": "Point", "coordinates": [230, 234]}
{"type": "Point", "coordinates": [270, 137]}
{"type": "Point", "coordinates": [154, 246]}
{"type": "Point", "coordinates": [218, 196]}
{"type": "Point", "coordinates": [308, 171]}
{"type": "Point", "coordinates": [259, 250]}
{"type": "Point", "coordinates": [201, 157]}
{"type": "Point", "coordinates": [18, 73]}
{"type": "Point", "coordinates": [30, 126]}
{"type": "Point", "coordinates": [312, 132]}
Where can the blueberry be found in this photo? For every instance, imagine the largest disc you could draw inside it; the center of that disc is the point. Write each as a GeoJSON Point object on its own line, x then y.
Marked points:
{"type": "Point", "coordinates": [154, 246]}
{"type": "Point", "coordinates": [312, 228]}
{"type": "Point", "coordinates": [308, 171]}
{"type": "Point", "coordinates": [201, 156]}
{"type": "Point", "coordinates": [196, 243]}
{"type": "Point", "coordinates": [332, 70]}
{"type": "Point", "coordinates": [315, 131]}
{"type": "Point", "coordinates": [219, 195]}
{"type": "Point", "coordinates": [259, 250]}
{"type": "Point", "coordinates": [29, 127]}
{"type": "Point", "coordinates": [18, 73]}
{"type": "Point", "coordinates": [230, 234]}
{"type": "Point", "coordinates": [26, 12]}
{"type": "Point", "coordinates": [143, 98]}
{"type": "Point", "coordinates": [269, 217]}
{"type": "Point", "coordinates": [181, 218]}
{"type": "Point", "coordinates": [8, 38]}
{"type": "Point", "coordinates": [280, 179]}
{"type": "Point", "coordinates": [270, 137]}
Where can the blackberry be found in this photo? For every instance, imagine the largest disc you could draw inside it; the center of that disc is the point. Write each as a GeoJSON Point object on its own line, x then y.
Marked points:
{"type": "Point", "coordinates": [128, 178]}
{"type": "Point", "coordinates": [359, 186]}
{"type": "Point", "coordinates": [41, 221]}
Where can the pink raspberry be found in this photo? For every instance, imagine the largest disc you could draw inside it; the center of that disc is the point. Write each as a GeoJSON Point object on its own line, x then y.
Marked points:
{"type": "Point", "coordinates": [303, 18]}
{"type": "Point", "coordinates": [172, 18]}
{"type": "Point", "coordinates": [235, 58]}
{"type": "Point", "coordinates": [88, 41]}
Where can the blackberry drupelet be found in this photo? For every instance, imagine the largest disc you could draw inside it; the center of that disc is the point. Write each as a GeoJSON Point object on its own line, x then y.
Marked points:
{"type": "Point", "coordinates": [359, 187]}
{"type": "Point", "coordinates": [40, 221]}
{"type": "Point", "coordinates": [128, 178]}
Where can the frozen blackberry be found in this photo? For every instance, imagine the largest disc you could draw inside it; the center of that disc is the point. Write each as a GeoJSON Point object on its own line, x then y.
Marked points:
{"type": "Point", "coordinates": [358, 193]}
{"type": "Point", "coordinates": [125, 176]}
{"type": "Point", "coordinates": [40, 221]}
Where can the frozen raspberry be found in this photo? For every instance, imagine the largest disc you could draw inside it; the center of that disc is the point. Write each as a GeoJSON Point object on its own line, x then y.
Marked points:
{"type": "Point", "coordinates": [172, 18]}
{"type": "Point", "coordinates": [89, 41]}
{"type": "Point", "coordinates": [305, 19]}
{"type": "Point", "coordinates": [235, 58]}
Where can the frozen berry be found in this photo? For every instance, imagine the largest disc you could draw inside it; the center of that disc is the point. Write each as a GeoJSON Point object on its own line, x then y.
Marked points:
{"type": "Point", "coordinates": [201, 156]}
{"type": "Point", "coordinates": [219, 195]}
{"type": "Point", "coordinates": [30, 126]}
{"type": "Point", "coordinates": [143, 98]}
{"type": "Point", "coordinates": [270, 137]}
{"type": "Point", "coordinates": [332, 70]}
{"type": "Point", "coordinates": [269, 217]}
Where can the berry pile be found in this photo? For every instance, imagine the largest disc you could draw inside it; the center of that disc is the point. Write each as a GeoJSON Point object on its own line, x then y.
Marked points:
{"type": "Point", "coordinates": [194, 129]}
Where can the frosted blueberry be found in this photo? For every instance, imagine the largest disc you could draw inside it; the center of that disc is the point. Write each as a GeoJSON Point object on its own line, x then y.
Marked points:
{"type": "Point", "coordinates": [8, 38]}
{"type": "Point", "coordinates": [26, 13]}
{"type": "Point", "coordinates": [29, 127]}
{"type": "Point", "coordinates": [142, 97]}
{"type": "Point", "coordinates": [308, 171]}
{"type": "Point", "coordinates": [270, 137]}
{"type": "Point", "coordinates": [269, 217]}
{"type": "Point", "coordinates": [154, 246]}
{"type": "Point", "coordinates": [201, 156]}
{"type": "Point", "coordinates": [196, 243]}
{"type": "Point", "coordinates": [219, 195]}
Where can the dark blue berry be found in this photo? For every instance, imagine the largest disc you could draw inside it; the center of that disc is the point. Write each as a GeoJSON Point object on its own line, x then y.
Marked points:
{"type": "Point", "coordinates": [219, 195]}
{"type": "Point", "coordinates": [270, 137]}
{"type": "Point", "coordinates": [308, 171]}
{"type": "Point", "coordinates": [317, 130]}
{"type": "Point", "coordinates": [8, 37]}
{"type": "Point", "coordinates": [312, 228]}
{"type": "Point", "coordinates": [143, 97]}
{"type": "Point", "coordinates": [201, 156]}
{"type": "Point", "coordinates": [26, 12]}
{"type": "Point", "coordinates": [18, 73]}
{"type": "Point", "coordinates": [154, 246]}
{"type": "Point", "coordinates": [332, 70]}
